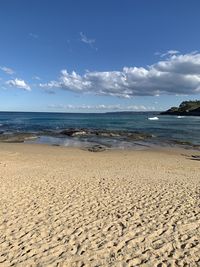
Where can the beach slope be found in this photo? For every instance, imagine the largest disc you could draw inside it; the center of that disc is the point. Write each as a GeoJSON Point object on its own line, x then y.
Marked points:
{"type": "Point", "coordinates": [68, 207]}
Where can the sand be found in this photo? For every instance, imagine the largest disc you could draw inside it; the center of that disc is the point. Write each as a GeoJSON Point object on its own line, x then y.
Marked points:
{"type": "Point", "coordinates": [68, 207]}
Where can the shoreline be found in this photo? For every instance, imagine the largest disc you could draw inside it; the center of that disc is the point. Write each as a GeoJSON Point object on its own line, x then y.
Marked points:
{"type": "Point", "coordinates": [98, 149]}
{"type": "Point", "coordinates": [154, 148]}
{"type": "Point", "coordinates": [105, 141]}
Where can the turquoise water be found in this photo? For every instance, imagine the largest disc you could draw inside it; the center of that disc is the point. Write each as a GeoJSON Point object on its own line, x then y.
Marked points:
{"type": "Point", "coordinates": [165, 129]}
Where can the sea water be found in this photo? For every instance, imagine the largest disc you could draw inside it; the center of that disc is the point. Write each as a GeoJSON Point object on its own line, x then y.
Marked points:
{"type": "Point", "coordinates": [166, 129]}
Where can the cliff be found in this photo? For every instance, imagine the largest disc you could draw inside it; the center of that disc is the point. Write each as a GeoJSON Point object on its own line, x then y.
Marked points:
{"type": "Point", "coordinates": [186, 108]}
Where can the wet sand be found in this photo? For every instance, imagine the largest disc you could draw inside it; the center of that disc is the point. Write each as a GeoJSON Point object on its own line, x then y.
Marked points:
{"type": "Point", "coordinates": [68, 207]}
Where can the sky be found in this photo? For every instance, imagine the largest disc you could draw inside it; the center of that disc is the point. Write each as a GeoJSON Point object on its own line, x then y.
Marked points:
{"type": "Point", "coordinates": [98, 56]}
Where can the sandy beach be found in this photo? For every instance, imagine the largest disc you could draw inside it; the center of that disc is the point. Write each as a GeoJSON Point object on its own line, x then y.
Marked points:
{"type": "Point", "coordinates": [68, 207]}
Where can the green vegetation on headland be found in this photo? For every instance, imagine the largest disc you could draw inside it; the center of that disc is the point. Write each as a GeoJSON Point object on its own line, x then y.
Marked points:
{"type": "Point", "coordinates": [186, 108]}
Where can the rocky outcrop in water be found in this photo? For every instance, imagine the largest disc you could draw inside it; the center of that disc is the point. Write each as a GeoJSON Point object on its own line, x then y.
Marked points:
{"type": "Point", "coordinates": [17, 137]}
{"type": "Point", "coordinates": [72, 132]}
{"type": "Point", "coordinates": [186, 108]}
{"type": "Point", "coordinates": [106, 133]}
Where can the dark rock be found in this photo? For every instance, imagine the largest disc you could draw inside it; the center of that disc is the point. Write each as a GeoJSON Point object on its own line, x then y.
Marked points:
{"type": "Point", "coordinates": [106, 133]}
{"type": "Point", "coordinates": [73, 132]}
{"type": "Point", "coordinates": [195, 157]}
{"type": "Point", "coordinates": [139, 136]}
{"type": "Point", "coordinates": [97, 148]}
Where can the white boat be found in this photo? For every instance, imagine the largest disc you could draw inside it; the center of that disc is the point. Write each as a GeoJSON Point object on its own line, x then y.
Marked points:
{"type": "Point", "coordinates": [153, 118]}
{"type": "Point", "coordinates": [180, 117]}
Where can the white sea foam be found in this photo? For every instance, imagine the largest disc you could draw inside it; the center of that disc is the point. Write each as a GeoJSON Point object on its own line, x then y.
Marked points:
{"type": "Point", "coordinates": [153, 118]}
{"type": "Point", "coordinates": [180, 117]}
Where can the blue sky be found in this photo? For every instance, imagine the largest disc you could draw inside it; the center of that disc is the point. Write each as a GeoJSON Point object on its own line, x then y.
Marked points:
{"type": "Point", "coordinates": [86, 56]}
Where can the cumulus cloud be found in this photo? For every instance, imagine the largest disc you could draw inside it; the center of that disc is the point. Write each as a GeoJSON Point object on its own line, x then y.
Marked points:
{"type": "Point", "coordinates": [178, 75]}
{"type": "Point", "coordinates": [7, 70]}
{"type": "Point", "coordinates": [102, 107]}
{"type": "Point", "coordinates": [19, 84]}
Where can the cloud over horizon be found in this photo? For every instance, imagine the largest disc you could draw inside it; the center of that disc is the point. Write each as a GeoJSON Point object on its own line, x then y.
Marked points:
{"type": "Point", "coordinates": [102, 107]}
{"type": "Point", "coordinates": [179, 74]}
{"type": "Point", "coordinates": [18, 83]}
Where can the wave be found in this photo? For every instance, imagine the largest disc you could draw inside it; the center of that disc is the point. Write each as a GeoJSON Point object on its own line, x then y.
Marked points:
{"type": "Point", "coordinates": [153, 118]}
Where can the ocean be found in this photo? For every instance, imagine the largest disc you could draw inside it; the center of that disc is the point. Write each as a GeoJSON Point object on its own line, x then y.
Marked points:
{"type": "Point", "coordinates": [165, 130]}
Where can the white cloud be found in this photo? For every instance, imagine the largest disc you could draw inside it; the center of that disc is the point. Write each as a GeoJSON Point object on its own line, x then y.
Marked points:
{"type": "Point", "coordinates": [7, 70]}
{"type": "Point", "coordinates": [178, 75]}
{"type": "Point", "coordinates": [19, 84]}
{"type": "Point", "coordinates": [101, 107]}
{"type": "Point", "coordinates": [168, 53]}
{"type": "Point", "coordinates": [86, 40]}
